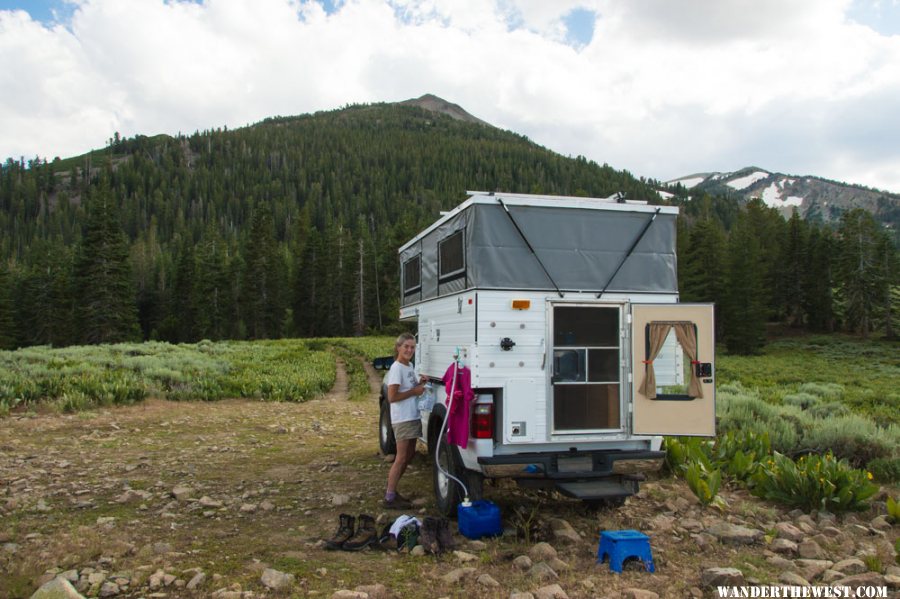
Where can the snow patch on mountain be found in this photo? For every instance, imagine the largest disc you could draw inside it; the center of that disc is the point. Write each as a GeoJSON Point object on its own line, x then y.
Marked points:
{"type": "Point", "coordinates": [772, 196]}
{"type": "Point", "coordinates": [689, 182]}
{"type": "Point", "coordinates": [744, 182]}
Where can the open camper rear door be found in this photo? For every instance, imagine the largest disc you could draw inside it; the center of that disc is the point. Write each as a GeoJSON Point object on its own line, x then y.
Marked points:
{"type": "Point", "coordinates": [673, 382]}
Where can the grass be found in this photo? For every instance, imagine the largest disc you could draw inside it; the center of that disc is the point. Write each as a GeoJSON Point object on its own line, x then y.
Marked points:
{"type": "Point", "coordinates": [862, 374]}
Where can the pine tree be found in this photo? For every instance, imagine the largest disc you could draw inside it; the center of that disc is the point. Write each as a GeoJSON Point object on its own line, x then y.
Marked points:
{"type": "Point", "coordinates": [746, 293]}
{"type": "Point", "coordinates": [793, 263]}
{"type": "Point", "coordinates": [262, 301]}
{"type": "Point", "coordinates": [7, 322]}
{"type": "Point", "coordinates": [862, 281]}
{"type": "Point", "coordinates": [702, 268]}
{"type": "Point", "coordinates": [106, 310]}
{"type": "Point", "coordinates": [818, 281]}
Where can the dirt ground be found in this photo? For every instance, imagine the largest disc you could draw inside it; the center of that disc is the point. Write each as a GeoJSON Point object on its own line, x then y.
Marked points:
{"type": "Point", "coordinates": [102, 493]}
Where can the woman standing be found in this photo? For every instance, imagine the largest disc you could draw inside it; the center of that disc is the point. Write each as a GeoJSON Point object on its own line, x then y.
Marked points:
{"type": "Point", "coordinates": [403, 387]}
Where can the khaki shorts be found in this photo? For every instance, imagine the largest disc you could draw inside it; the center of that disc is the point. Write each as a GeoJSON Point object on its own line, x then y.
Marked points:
{"type": "Point", "coordinates": [411, 429]}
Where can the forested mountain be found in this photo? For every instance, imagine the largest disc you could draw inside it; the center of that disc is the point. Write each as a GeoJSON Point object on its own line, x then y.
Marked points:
{"type": "Point", "coordinates": [291, 226]}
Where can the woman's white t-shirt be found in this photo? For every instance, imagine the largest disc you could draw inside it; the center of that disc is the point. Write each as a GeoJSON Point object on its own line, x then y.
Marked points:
{"type": "Point", "coordinates": [405, 376]}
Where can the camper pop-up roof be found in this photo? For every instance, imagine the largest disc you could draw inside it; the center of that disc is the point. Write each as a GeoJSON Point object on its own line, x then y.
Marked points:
{"type": "Point", "coordinates": [579, 244]}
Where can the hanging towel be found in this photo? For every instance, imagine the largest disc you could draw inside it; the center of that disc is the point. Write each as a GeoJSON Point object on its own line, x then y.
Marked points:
{"type": "Point", "coordinates": [402, 522]}
{"type": "Point", "coordinates": [458, 423]}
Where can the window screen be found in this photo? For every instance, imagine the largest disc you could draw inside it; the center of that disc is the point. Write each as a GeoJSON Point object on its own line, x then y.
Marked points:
{"type": "Point", "coordinates": [451, 257]}
{"type": "Point", "coordinates": [412, 275]}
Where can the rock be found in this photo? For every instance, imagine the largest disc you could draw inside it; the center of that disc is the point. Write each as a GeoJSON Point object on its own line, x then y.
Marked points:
{"type": "Point", "coordinates": [691, 525]}
{"type": "Point", "coordinates": [892, 581]}
{"type": "Point", "coordinates": [786, 530]}
{"type": "Point", "coordinates": [793, 579]}
{"type": "Point", "coordinates": [477, 545]}
{"type": "Point", "coordinates": [563, 531]}
{"type": "Point", "coordinates": [829, 576]}
{"type": "Point", "coordinates": [553, 591]}
{"type": "Point", "coordinates": [543, 571]}
{"type": "Point", "coordinates": [96, 578]}
{"type": "Point", "coordinates": [869, 579]}
{"type": "Point", "coordinates": [639, 594]}
{"type": "Point", "coordinates": [542, 552]}
{"type": "Point", "coordinates": [486, 580]}
{"type": "Point", "coordinates": [454, 576]}
{"type": "Point", "coordinates": [266, 506]}
{"type": "Point", "coordinates": [805, 519]}
{"type": "Point", "coordinates": [340, 499]}
{"type": "Point", "coordinates": [374, 591]}
{"type": "Point", "coordinates": [198, 579]}
{"type": "Point", "coordinates": [249, 508]}
{"type": "Point", "coordinates": [58, 588]}
{"type": "Point", "coordinates": [464, 557]}
{"type": "Point", "coordinates": [345, 594]}
{"type": "Point", "coordinates": [182, 492]}
{"type": "Point", "coordinates": [207, 501]}
{"type": "Point", "coordinates": [780, 563]}
{"type": "Point", "coordinates": [784, 547]}
{"type": "Point", "coordinates": [714, 577]}
{"type": "Point", "coordinates": [663, 523]}
{"type": "Point", "coordinates": [523, 562]}
{"type": "Point", "coordinates": [10, 547]}
{"type": "Point", "coordinates": [704, 540]}
{"type": "Point", "coordinates": [417, 551]}
{"type": "Point", "coordinates": [880, 523]}
{"type": "Point", "coordinates": [70, 575]}
{"type": "Point", "coordinates": [107, 522]}
{"type": "Point", "coordinates": [109, 589]}
{"type": "Point", "coordinates": [735, 534]}
{"type": "Point", "coordinates": [161, 548]}
{"type": "Point", "coordinates": [133, 496]}
{"type": "Point", "coordinates": [811, 550]}
{"type": "Point", "coordinates": [810, 569]}
{"type": "Point", "coordinates": [558, 565]}
{"type": "Point", "coordinates": [892, 570]}
{"type": "Point", "coordinates": [851, 566]}
{"type": "Point", "coordinates": [276, 580]}
{"type": "Point", "coordinates": [517, 595]}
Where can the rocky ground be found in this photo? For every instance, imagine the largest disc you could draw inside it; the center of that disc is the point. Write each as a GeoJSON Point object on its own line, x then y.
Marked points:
{"type": "Point", "coordinates": [232, 499]}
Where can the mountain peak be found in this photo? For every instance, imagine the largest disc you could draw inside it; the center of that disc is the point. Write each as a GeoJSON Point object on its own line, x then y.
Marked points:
{"type": "Point", "coordinates": [433, 103]}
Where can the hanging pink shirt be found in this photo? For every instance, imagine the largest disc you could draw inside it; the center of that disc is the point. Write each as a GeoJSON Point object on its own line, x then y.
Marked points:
{"type": "Point", "coordinates": [458, 420]}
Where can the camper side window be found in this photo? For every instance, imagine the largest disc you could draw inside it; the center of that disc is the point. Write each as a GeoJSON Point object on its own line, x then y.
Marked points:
{"type": "Point", "coordinates": [451, 257]}
{"type": "Point", "coordinates": [412, 275]}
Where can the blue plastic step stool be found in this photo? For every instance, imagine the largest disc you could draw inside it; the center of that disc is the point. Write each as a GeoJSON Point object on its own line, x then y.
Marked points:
{"type": "Point", "coordinates": [619, 545]}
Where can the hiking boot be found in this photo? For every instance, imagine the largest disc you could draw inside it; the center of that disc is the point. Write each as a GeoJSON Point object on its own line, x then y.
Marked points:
{"type": "Point", "coordinates": [365, 534]}
{"type": "Point", "coordinates": [343, 533]}
{"type": "Point", "coordinates": [445, 536]}
{"type": "Point", "coordinates": [386, 540]}
{"type": "Point", "coordinates": [398, 503]}
{"type": "Point", "coordinates": [428, 538]}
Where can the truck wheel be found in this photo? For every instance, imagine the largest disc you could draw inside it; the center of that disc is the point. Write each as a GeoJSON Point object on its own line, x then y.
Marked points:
{"type": "Point", "coordinates": [386, 441]}
{"type": "Point", "coordinates": [447, 492]}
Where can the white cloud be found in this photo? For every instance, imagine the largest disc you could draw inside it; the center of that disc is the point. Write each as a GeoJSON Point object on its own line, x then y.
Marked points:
{"type": "Point", "coordinates": [663, 89]}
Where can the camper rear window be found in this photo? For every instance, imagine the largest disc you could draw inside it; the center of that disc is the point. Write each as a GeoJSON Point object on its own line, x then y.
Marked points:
{"type": "Point", "coordinates": [412, 275]}
{"type": "Point", "coordinates": [451, 258]}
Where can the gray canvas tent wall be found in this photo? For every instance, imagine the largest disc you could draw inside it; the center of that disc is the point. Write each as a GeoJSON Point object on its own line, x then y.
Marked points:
{"type": "Point", "coordinates": [580, 241]}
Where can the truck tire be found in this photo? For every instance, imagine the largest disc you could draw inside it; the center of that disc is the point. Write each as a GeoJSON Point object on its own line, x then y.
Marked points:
{"type": "Point", "coordinates": [386, 441]}
{"type": "Point", "coordinates": [447, 492]}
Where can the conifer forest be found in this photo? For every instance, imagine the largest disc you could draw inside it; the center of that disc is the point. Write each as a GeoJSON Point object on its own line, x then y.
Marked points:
{"type": "Point", "coordinates": [290, 228]}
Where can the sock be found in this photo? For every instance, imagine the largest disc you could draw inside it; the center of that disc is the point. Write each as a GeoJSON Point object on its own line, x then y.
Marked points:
{"type": "Point", "coordinates": [390, 495]}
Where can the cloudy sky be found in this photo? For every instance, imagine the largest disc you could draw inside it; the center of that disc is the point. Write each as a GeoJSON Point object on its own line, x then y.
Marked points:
{"type": "Point", "coordinates": [663, 88]}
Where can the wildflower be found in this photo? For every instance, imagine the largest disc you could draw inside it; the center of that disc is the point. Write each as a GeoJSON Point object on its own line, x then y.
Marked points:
{"type": "Point", "coordinates": [868, 475]}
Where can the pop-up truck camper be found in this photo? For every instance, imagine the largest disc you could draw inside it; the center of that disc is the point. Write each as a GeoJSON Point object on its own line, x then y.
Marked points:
{"type": "Point", "coordinates": [565, 312]}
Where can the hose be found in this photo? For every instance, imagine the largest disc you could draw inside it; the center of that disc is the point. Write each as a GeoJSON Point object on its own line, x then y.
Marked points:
{"type": "Point", "coordinates": [437, 448]}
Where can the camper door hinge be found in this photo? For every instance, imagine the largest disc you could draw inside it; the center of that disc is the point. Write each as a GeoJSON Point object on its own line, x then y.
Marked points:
{"type": "Point", "coordinates": [630, 378]}
{"type": "Point", "coordinates": [628, 318]}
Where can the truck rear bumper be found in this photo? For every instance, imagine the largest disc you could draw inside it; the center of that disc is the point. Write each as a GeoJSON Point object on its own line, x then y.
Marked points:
{"type": "Point", "coordinates": [572, 465]}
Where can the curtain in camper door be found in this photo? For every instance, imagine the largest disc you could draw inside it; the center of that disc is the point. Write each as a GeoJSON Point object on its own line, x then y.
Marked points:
{"type": "Point", "coordinates": [687, 337]}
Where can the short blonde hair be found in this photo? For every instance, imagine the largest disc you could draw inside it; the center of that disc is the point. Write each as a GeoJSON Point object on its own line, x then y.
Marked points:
{"type": "Point", "coordinates": [403, 338]}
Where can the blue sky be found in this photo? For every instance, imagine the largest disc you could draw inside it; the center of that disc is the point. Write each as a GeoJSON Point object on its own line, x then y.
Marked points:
{"type": "Point", "coordinates": [663, 88]}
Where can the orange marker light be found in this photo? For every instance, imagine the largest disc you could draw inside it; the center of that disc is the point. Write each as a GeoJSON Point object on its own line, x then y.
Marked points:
{"type": "Point", "coordinates": [521, 304]}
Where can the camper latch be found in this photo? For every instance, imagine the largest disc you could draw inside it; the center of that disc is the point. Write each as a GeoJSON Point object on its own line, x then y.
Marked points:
{"type": "Point", "coordinates": [507, 344]}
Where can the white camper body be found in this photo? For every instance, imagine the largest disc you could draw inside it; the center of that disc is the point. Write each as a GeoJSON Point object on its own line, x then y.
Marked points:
{"type": "Point", "coordinates": [555, 305]}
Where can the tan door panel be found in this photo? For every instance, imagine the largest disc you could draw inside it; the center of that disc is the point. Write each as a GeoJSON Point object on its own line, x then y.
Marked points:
{"type": "Point", "coordinates": [674, 414]}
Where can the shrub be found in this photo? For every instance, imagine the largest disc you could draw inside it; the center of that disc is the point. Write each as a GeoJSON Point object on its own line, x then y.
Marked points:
{"type": "Point", "coordinates": [824, 390]}
{"type": "Point", "coordinates": [828, 410]}
{"type": "Point", "coordinates": [893, 510]}
{"type": "Point", "coordinates": [804, 401]}
{"type": "Point", "coordinates": [886, 470]}
{"type": "Point", "coordinates": [813, 482]}
{"type": "Point", "coordinates": [854, 438]}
